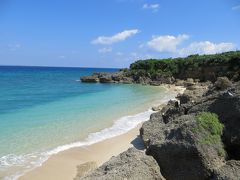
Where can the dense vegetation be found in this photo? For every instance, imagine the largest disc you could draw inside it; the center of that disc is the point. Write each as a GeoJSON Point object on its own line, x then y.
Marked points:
{"type": "Point", "coordinates": [153, 68]}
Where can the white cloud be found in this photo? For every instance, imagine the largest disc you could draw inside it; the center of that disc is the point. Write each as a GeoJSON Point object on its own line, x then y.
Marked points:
{"type": "Point", "coordinates": [206, 47]}
{"type": "Point", "coordinates": [170, 44]}
{"type": "Point", "coordinates": [166, 43]}
{"type": "Point", "coordinates": [236, 7]}
{"type": "Point", "coordinates": [105, 50]}
{"type": "Point", "coordinates": [105, 40]}
{"type": "Point", "coordinates": [153, 7]}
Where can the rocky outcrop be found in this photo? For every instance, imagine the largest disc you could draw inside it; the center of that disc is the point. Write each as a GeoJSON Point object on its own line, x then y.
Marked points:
{"type": "Point", "coordinates": [181, 149]}
{"type": "Point", "coordinates": [192, 69]}
{"type": "Point", "coordinates": [184, 147]}
{"type": "Point", "coordinates": [226, 104]}
{"type": "Point", "coordinates": [177, 149]}
{"type": "Point", "coordinates": [118, 77]}
{"type": "Point", "coordinates": [132, 165]}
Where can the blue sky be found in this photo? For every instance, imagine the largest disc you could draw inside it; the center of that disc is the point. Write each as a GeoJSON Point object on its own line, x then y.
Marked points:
{"type": "Point", "coordinates": [114, 33]}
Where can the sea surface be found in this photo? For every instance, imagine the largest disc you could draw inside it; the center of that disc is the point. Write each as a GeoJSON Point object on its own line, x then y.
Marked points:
{"type": "Point", "coordinates": [45, 110]}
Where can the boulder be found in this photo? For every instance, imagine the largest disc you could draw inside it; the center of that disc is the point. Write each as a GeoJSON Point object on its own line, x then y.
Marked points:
{"type": "Point", "coordinates": [222, 83]}
{"type": "Point", "coordinates": [152, 127]}
{"type": "Point", "coordinates": [193, 93]}
{"type": "Point", "coordinates": [131, 164]}
{"type": "Point", "coordinates": [178, 149]}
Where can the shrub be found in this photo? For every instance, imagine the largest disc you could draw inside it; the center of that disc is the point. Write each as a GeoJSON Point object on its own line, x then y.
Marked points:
{"type": "Point", "coordinates": [210, 122]}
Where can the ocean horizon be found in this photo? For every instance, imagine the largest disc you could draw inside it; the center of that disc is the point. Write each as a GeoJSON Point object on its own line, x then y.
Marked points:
{"type": "Point", "coordinates": [45, 110]}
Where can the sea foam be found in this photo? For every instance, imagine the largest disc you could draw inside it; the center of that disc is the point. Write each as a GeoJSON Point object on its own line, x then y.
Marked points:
{"type": "Point", "coordinates": [31, 161]}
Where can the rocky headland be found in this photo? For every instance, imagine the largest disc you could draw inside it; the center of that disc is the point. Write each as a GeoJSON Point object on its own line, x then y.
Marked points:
{"type": "Point", "coordinates": [196, 136]}
{"type": "Point", "coordinates": [174, 71]}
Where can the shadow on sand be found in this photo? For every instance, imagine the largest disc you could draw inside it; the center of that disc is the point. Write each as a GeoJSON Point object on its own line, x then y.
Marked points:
{"type": "Point", "coordinates": [138, 143]}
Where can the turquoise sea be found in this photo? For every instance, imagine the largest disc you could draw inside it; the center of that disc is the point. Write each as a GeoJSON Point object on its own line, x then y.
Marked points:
{"type": "Point", "coordinates": [45, 110]}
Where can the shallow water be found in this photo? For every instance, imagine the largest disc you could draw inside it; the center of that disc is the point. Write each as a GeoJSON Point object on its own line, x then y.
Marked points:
{"type": "Point", "coordinates": [46, 110]}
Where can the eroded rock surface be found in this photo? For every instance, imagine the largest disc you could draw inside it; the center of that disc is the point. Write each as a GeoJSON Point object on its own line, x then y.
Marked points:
{"type": "Point", "coordinates": [229, 171]}
{"type": "Point", "coordinates": [131, 164]}
{"type": "Point", "coordinates": [170, 135]}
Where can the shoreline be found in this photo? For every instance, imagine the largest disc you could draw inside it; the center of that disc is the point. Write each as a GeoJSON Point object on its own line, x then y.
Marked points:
{"type": "Point", "coordinates": [63, 164]}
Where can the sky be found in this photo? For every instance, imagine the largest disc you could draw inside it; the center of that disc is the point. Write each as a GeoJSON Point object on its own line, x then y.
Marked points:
{"type": "Point", "coordinates": [114, 33]}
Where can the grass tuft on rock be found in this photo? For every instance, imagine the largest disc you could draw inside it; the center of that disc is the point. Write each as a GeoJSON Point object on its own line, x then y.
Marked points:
{"type": "Point", "coordinates": [210, 130]}
{"type": "Point", "coordinates": [210, 122]}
